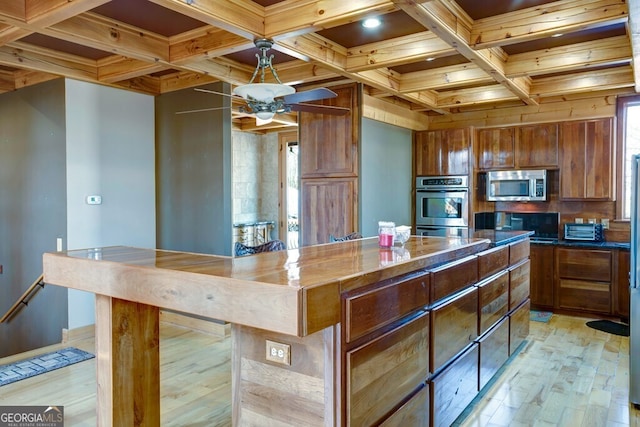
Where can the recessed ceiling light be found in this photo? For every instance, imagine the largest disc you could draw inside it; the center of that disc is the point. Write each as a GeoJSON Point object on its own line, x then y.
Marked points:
{"type": "Point", "coordinates": [558, 35]}
{"type": "Point", "coordinates": [429, 59]}
{"type": "Point", "coordinates": [371, 22]}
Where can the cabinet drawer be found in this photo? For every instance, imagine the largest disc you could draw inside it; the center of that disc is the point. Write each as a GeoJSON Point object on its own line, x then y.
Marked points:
{"type": "Point", "coordinates": [454, 388]}
{"type": "Point", "coordinates": [493, 295]}
{"type": "Point", "coordinates": [591, 265]}
{"type": "Point", "coordinates": [518, 251]}
{"type": "Point", "coordinates": [453, 277]}
{"type": "Point", "coordinates": [454, 325]}
{"type": "Point", "coordinates": [494, 351]}
{"type": "Point", "coordinates": [519, 281]}
{"type": "Point", "coordinates": [585, 295]}
{"type": "Point", "coordinates": [414, 413]}
{"type": "Point", "coordinates": [492, 261]}
{"type": "Point", "coordinates": [518, 326]}
{"type": "Point", "coordinates": [369, 311]}
{"type": "Point", "coordinates": [383, 372]}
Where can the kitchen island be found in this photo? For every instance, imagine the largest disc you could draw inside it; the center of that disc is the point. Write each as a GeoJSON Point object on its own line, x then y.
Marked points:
{"type": "Point", "coordinates": [338, 334]}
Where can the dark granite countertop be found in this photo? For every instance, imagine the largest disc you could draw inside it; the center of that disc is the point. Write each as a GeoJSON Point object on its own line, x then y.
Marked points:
{"type": "Point", "coordinates": [500, 237]}
{"type": "Point", "coordinates": [583, 244]}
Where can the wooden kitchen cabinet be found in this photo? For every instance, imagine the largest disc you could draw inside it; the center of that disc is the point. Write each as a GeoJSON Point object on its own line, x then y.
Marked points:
{"type": "Point", "coordinates": [542, 281]}
{"type": "Point", "coordinates": [537, 146]}
{"type": "Point", "coordinates": [586, 163]}
{"type": "Point", "coordinates": [496, 148]}
{"type": "Point", "coordinates": [442, 152]}
{"type": "Point", "coordinates": [584, 279]}
{"type": "Point", "coordinates": [621, 284]}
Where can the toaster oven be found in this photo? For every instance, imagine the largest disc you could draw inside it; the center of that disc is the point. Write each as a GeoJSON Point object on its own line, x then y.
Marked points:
{"type": "Point", "coordinates": [588, 232]}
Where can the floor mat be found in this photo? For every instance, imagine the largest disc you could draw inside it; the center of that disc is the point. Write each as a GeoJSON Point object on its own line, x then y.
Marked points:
{"type": "Point", "coordinates": [610, 327]}
{"type": "Point", "coordinates": [40, 364]}
{"type": "Point", "coordinates": [540, 316]}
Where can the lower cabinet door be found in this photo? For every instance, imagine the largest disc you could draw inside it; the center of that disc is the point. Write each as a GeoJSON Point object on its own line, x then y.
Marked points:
{"type": "Point", "coordinates": [518, 326]}
{"type": "Point", "coordinates": [494, 351]}
{"type": "Point", "coordinates": [454, 388]}
{"type": "Point", "coordinates": [519, 284]}
{"type": "Point", "coordinates": [385, 371]}
{"type": "Point", "coordinates": [414, 413]}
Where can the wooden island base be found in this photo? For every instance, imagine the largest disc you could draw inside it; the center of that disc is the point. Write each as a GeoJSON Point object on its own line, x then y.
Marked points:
{"type": "Point", "coordinates": [329, 335]}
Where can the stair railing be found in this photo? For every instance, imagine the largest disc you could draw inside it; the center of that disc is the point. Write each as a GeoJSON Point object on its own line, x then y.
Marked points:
{"type": "Point", "coordinates": [24, 299]}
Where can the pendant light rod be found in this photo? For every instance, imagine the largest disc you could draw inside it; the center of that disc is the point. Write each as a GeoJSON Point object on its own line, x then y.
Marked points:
{"type": "Point", "coordinates": [264, 61]}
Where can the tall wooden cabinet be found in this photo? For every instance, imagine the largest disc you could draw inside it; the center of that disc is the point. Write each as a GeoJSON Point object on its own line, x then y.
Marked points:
{"type": "Point", "coordinates": [587, 160]}
{"type": "Point", "coordinates": [542, 270]}
{"type": "Point", "coordinates": [442, 152]}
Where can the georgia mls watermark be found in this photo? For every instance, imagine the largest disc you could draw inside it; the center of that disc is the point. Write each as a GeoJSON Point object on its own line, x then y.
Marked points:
{"type": "Point", "coordinates": [31, 416]}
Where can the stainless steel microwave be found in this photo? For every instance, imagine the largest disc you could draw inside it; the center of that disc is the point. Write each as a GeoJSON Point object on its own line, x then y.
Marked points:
{"type": "Point", "coordinates": [517, 185]}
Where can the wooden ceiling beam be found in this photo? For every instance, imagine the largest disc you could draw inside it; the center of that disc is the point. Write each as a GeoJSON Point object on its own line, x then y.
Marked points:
{"type": "Point", "coordinates": [444, 78]}
{"type": "Point", "coordinates": [118, 68]}
{"type": "Point", "coordinates": [634, 34]}
{"type": "Point", "coordinates": [292, 17]}
{"type": "Point", "coordinates": [244, 18]}
{"type": "Point", "coordinates": [222, 69]}
{"type": "Point", "coordinates": [24, 78]}
{"type": "Point", "coordinates": [7, 81]}
{"type": "Point", "coordinates": [589, 81]}
{"type": "Point", "coordinates": [22, 55]}
{"type": "Point", "coordinates": [205, 42]}
{"type": "Point", "coordinates": [579, 56]}
{"type": "Point", "coordinates": [183, 80]}
{"type": "Point", "coordinates": [452, 25]}
{"type": "Point", "coordinates": [397, 51]}
{"type": "Point", "coordinates": [474, 96]}
{"type": "Point", "coordinates": [565, 16]}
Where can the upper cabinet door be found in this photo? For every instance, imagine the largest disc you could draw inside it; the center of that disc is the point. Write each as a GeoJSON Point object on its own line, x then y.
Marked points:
{"type": "Point", "coordinates": [496, 148]}
{"type": "Point", "coordinates": [586, 161]}
{"type": "Point", "coordinates": [537, 146]}
{"type": "Point", "coordinates": [442, 152]}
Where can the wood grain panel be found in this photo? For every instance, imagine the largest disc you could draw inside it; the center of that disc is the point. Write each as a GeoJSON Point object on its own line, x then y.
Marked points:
{"type": "Point", "coordinates": [381, 373]}
{"type": "Point", "coordinates": [518, 251]}
{"type": "Point", "coordinates": [496, 147]}
{"type": "Point", "coordinates": [442, 152]}
{"type": "Point", "coordinates": [492, 261]}
{"type": "Point", "coordinates": [621, 285]}
{"type": "Point", "coordinates": [454, 325]}
{"type": "Point", "coordinates": [327, 205]}
{"type": "Point", "coordinates": [572, 163]}
{"type": "Point", "coordinates": [368, 311]}
{"type": "Point", "coordinates": [454, 388]}
{"type": "Point", "coordinates": [599, 160]}
{"type": "Point", "coordinates": [494, 351]}
{"type": "Point", "coordinates": [414, 413]}
{"type": "Point", "coordinates": [454, 276]}
{"type": "Point", "coordinates": [493, 296]}
{"type": "Point", "coordinates": [276, 394]}
{"type": "Point", "coordinates": [537, 146]}
{"type": "Point", "coordinates": [585, 264]}
{"type": "Point", "coordinates": [519, 283]}
{"type": "Point", "coordinates": [584, 295]}
{"type": "Point", "coordinates": [542, 276]}
{"type": "Point", "coordinates": [519, 326]}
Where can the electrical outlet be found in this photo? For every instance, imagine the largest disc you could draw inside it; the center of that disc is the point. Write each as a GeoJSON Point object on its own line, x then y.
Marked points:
{"type": "Point", "coordinates": [605, 223]}
{"type": "Point", "coordinates": [279, 352]}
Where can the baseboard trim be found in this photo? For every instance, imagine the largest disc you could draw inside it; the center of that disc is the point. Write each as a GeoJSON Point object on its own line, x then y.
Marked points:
{"type": "Point", "coordinates": [213, 327]}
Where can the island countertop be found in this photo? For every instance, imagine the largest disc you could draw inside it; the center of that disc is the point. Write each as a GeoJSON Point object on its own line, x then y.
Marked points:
{"type": "Point", "coordinates": [295, 292]}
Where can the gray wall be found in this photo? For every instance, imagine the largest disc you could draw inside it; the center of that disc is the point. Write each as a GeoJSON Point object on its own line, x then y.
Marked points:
{"type": "Point", "coordinates": [32, 211]}
{"type": "Point", "coordinates": [385, 175]}
{"type": "Point", "coordinates": [110, 153]}
{"type": "Point", "coordinates": [193, 167]}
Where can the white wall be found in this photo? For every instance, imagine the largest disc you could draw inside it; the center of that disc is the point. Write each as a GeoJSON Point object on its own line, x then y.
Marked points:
{"type": "Point", "coordinates": [110, 153]}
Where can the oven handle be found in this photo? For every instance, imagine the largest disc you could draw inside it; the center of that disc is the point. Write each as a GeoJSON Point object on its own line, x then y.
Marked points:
{"type": "Point", "coordinates": [452, 190]}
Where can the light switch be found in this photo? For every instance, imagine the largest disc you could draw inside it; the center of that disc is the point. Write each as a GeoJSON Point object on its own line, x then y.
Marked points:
{"type": "Point", "coordinates": [94, 200]}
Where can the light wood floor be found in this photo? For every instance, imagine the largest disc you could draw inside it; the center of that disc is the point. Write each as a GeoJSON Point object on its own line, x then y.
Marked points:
{"type": "Point", "coordinates": [566, 375]}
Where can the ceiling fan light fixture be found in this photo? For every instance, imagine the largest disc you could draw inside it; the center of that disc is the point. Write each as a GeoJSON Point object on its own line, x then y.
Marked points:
{"type": "Point", "coordinates": [263, 92]}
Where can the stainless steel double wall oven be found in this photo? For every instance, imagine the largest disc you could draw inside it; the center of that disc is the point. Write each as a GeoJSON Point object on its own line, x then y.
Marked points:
{"type": "Point", "coordinates": [442, 205]}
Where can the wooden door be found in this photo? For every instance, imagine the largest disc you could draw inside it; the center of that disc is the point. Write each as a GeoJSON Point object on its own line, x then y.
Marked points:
{"type": "Point", "coordinates": [537, 146]}
{"type": "Point", "coordinates": [442, 152]}
{"type": "Point", "coordinates": [329, 170]}
{"type": "Point", "coordinates": [586, 163]}
{"type": "Point", "coordinates": [496, 148]}
{"type": "Point", "coordinates": [542, 275]}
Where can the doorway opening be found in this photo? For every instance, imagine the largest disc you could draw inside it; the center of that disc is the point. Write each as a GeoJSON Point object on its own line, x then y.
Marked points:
{"type": "Point", "coordinates": [289, 189]}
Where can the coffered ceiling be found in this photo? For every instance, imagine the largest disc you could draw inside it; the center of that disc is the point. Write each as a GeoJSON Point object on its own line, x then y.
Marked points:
{"type": "Point", "coordinates": [435, 57]}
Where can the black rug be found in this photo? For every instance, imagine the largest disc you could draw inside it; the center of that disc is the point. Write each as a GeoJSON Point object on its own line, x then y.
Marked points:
{"type": "Point", "coordinates": [610, 327]}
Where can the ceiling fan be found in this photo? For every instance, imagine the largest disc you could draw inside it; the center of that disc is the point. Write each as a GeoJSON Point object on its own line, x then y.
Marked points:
{"type": "Point", "coordinates": [265, 100]}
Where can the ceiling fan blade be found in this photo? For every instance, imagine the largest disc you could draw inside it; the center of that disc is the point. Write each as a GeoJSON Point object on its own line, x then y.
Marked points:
{"type": "Point", "coordinates": [200, 110]}
{"type": "Point", "coordinates": [319, 109]}
{"type": "Point", "coordinates": [309, 95]}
